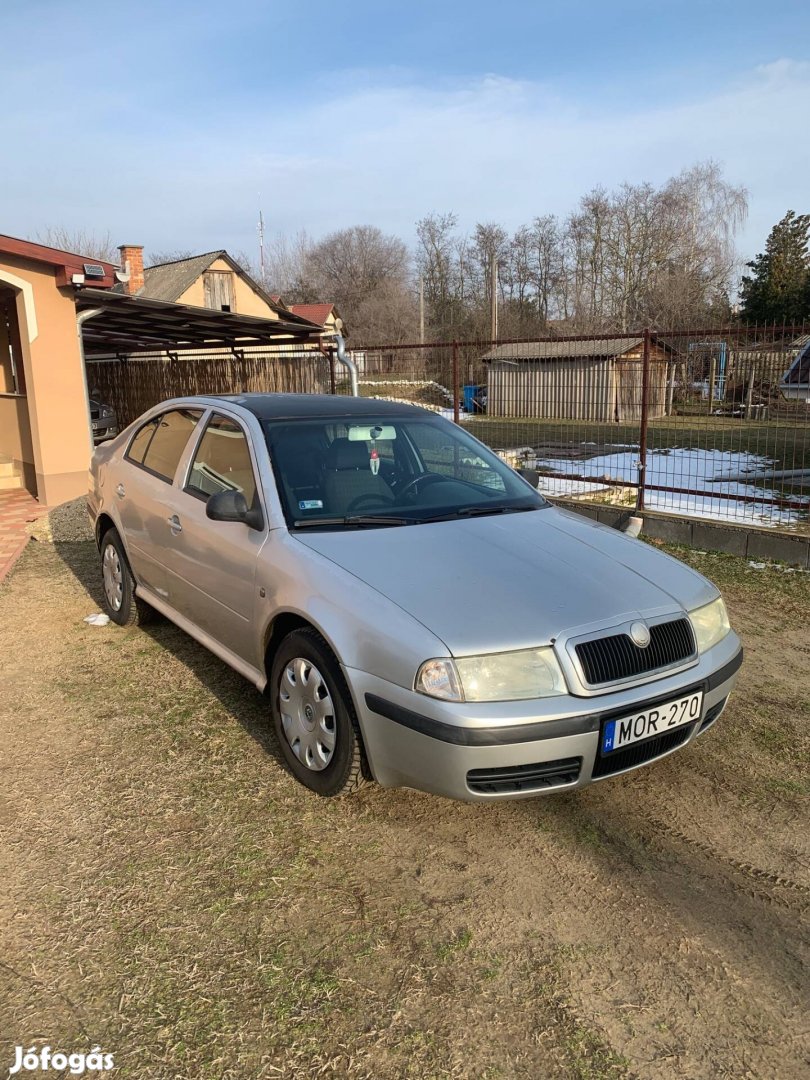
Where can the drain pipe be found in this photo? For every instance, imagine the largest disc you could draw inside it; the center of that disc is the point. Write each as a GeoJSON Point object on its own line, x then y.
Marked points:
{"type": "Point", "coordinates": [81, 319]}
{"type": "Point", "coordinates": [347, 362]}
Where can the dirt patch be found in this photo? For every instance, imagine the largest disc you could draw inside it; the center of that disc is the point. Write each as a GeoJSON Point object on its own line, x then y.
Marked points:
{"type": "Point", "coordinates": [171, 894]}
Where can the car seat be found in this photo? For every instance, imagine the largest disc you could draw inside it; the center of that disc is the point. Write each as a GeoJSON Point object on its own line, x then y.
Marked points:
{"type": "Point", "coordinates": [348, 478]}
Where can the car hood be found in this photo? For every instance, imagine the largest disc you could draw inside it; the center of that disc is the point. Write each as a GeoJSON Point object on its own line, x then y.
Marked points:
{"type": "Point", "coordinates": [513, 581]}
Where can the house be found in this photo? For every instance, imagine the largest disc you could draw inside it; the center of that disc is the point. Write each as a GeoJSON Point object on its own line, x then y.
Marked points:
{"type": "Point", "coordinates": [576, 380]}
{"type": "Point", "coordinates": [325, 315]}
{"type": "Point", "coordinates": [59, 308]}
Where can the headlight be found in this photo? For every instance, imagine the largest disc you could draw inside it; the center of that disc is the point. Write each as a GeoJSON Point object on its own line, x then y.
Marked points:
{"type": "Point", "coordinates": [710, 624]}
{"type": "Point", "coordinates": [106, 411]}
{"type": "Point", "coordinates": [511, 676]}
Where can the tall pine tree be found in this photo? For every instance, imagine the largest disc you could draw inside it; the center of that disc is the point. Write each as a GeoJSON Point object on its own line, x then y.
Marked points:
{"type": "Point", "coordinates": [778, 289]}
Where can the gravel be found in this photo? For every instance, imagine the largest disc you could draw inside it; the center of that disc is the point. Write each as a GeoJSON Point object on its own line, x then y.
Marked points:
{"type": "Point", "coordinates": [67, 523]}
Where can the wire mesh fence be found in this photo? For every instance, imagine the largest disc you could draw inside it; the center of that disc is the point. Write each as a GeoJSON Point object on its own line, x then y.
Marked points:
{"type": "Point", "coordinates": [705, 423]}
{"type": "Point", "coordinates": [709, 424]}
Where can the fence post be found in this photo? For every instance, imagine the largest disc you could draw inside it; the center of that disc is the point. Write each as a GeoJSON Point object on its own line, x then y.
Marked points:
{"type": "Point", "coordinates": [645, 410]}
{"type": "Point", "coordinates": [456, 385]}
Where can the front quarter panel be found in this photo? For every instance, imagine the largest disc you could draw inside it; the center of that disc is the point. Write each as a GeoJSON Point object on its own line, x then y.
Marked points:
{"type": "Point", "coordinates": [365, 629]}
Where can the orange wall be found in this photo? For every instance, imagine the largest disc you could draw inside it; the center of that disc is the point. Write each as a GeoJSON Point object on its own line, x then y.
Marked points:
{"type": "Point", "coordinates": [55, 386]}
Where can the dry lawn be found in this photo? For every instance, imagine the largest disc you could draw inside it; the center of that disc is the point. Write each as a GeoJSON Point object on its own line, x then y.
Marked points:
{"type": "Point", "coordinates": [171, 894]}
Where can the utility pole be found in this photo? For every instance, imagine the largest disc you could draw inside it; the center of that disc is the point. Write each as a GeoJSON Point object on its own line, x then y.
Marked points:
{"type": "Point", "coordinates": [261, 246]}
{"type": "Point", "coordinates": [421, 310]}
{"type": "Point", "coordinates": [494, 298]}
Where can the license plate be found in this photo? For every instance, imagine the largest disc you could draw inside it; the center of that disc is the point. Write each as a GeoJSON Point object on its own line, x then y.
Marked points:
{"type": "Point", "coordinates": [96, 425]}
{"type": "Point", "coordinates": [647, 723]}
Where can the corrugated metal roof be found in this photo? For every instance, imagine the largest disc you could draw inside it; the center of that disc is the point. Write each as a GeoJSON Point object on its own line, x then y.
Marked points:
{"type": "Point", "coordinates": [563, 350]}
{"type": "Point", "coordinates": [168, 281]}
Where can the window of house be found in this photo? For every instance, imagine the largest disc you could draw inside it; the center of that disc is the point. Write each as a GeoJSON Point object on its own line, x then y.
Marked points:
{"type": "Point", "coordinates": [218, 290]}
{"type": "Point", "coordinates": [222, 462]}
{"type": "Point", "coordinates": [159, 445]}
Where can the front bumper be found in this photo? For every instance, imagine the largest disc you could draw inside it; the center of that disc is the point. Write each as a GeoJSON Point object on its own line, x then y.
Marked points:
{"type": "Point", "coordinates": [520, 749]}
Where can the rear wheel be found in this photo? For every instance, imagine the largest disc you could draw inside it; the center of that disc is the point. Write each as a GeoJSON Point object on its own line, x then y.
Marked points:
{"type": "Point", "coordinates": [314, 717]}
{"type": "Point", "coordinates": [120, 601]}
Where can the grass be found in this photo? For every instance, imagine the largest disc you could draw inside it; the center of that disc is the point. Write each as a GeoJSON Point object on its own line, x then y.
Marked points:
{"type": "Point", "coordinates": [172, 894]}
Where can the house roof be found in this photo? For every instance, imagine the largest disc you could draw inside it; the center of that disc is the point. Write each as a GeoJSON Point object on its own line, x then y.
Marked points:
{"type": "Point", "coordinates": [597, 349]}
{"type": "Point", "coordinates": [132, 324]}
{"type": "Point", "coordinates": [66, 263]}
{"type": "Point", "coordinates": [168, 281]}
{"type": "Point", "coordinates": [317, 313]}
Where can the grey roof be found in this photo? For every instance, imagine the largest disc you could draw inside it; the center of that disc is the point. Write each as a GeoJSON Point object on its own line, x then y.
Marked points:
{"type": "Point", "coordinates": [168, 281]}
{"type": "Point", "coordinates": [293, 406]}
{"type": "Point", "coordinates": [600, 348]}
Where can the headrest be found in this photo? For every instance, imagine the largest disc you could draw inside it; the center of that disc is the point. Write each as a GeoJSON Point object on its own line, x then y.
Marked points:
{"type": "Point", "coordinates": [343, 454]}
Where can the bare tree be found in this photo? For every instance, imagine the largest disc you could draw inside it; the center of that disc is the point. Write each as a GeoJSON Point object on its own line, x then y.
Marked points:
{"type": "Point", "coordinates": [80, 242]}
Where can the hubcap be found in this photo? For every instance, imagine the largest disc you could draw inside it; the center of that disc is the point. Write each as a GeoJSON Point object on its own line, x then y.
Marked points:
{"type": "Point", "coordinates": [113, 578]}
{"type": "Point", "coordinates": [307, 714]}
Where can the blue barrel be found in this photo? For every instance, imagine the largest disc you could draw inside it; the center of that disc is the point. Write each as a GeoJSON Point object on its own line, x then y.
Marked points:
{"type": "Point", "coordinates": [471, 394]}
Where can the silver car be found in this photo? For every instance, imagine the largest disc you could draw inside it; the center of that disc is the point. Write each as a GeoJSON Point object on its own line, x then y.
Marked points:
{"type": "Point", "coordinates": [414, 610]}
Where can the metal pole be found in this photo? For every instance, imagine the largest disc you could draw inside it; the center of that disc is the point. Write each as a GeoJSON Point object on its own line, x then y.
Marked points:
{"type": "Point", "coordinates": [456, 387]}
{"type": "Point", "coordinates": [421, 311]}
{"type": "Point", "coordinates": [494, 298]}
{"type": "Point", "coordinates": [645, 395]}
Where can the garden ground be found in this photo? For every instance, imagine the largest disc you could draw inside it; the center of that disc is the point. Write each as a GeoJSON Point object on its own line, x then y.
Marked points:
{"type": "Point", "coordinates": [171, 894]}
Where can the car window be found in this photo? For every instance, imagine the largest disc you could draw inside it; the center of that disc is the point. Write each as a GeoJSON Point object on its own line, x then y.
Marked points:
{"type": "Point", "coordinates": [137, 448]}
{"type": "Point", "coordinates": [443, 454]}
{"type": "Point", "coordinates": [411, 468]}
{"type": "Point", "coordinates": [222, 461]}
{"type": "Point", "coordinates": [169, 441]}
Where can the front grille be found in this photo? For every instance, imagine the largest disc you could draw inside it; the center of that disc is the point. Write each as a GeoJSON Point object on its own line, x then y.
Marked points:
{"type": "Point", "coordinates": [513, 778]}
{"type": "Point", "coordinates": [94, 414]}
{"type": "Point", "coordinates": [639, 753]}
{"type": "Point", "coordinates": [614, 658]}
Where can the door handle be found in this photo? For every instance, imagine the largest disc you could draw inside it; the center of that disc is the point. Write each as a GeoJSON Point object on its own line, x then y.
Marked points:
{"type": "Point", "coordinates": [119, 491]}
{"type": "Point", "coordinates": [174, 524]}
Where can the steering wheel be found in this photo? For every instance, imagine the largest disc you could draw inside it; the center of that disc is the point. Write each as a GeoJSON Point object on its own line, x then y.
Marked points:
{"type": "Point", "coordinates": [375, 500]}
{"type": "Point", "coordinates": [427, 478]}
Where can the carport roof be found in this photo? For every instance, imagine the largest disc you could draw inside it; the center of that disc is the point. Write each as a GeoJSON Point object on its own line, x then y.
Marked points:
{"type": "Point", "coordinates": [136, 324]}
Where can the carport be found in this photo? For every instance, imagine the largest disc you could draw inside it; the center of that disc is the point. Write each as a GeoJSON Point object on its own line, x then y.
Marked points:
{"type": "Point", "coordinates": [57, 309]}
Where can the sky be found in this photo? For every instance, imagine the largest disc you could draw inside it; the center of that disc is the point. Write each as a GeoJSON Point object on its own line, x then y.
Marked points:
{"type": "Point", "coordinates": [169, 122]}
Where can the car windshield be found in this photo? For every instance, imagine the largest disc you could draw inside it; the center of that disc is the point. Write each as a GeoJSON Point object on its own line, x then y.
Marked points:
{"type": "Point", "coordinates": [377, 471]}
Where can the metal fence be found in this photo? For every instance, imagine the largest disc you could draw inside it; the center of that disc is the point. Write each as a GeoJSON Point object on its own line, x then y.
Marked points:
{"type": "Point", "coordinates": [713, 424]}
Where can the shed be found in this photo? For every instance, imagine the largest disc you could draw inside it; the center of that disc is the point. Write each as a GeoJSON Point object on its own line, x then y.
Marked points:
{"type": "Point", "coordinates": [598, 379]}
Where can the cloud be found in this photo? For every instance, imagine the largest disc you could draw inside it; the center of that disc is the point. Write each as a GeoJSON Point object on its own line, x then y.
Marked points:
{"type": "Point", "coordinates": [386, 150]}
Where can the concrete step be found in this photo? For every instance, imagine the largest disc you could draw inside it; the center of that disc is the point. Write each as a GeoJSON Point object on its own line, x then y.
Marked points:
{"type": "Point", "coordinates": [10, 483]}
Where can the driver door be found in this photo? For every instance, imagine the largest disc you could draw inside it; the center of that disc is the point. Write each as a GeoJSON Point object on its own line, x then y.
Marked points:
{"type": "Point", "coordinates": [212, 564]}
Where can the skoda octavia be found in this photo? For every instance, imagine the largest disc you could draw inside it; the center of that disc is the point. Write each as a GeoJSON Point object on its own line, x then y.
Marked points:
{"type": "Point", "coordinates": [415, 611]}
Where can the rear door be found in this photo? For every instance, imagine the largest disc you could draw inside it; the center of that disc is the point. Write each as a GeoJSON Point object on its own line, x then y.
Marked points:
{"type": "Point", "coordinates": [145, 496]}
{"type": "Point", "coordinates": [212, 564]}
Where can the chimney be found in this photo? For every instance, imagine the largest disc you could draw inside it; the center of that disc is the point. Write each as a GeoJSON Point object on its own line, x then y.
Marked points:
{"type": "Point", "coordinates": [132, 264]}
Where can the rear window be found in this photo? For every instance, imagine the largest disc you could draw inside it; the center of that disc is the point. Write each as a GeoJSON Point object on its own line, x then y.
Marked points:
{"type": "Point", "coordinates": [159, 445]}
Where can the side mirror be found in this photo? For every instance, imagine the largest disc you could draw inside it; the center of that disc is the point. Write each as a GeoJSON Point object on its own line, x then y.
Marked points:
{"type": "Point", "coordinates": [532, 475]}
{"type": "Point", "coordinates": [232, 506]}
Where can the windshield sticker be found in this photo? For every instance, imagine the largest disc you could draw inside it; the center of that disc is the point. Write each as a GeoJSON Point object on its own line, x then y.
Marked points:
{"type": "Point", "coordinates": [310, 504]}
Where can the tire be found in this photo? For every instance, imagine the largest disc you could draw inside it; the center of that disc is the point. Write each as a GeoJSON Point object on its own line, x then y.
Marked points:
{"type": "Point", "coordinates": [118, 584]}
{"type": "Point", "coordinates": [314, 718]}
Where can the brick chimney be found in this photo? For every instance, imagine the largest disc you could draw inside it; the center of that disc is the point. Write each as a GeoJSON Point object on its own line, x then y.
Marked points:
{"type": "Point", "coordinates": [132, 262]}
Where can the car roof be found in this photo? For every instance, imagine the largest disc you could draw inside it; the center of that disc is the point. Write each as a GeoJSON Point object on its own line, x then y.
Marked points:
{"type": "Point", "coordinates": [298, 406]}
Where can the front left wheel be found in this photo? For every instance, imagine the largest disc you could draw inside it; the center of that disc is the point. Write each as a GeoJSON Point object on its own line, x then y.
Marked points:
{"type": "Point", "coordinates": [314, 717]}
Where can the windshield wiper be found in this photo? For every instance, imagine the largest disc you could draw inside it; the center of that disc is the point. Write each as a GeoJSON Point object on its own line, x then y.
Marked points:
{"type": "Point", "coordinates": [358, 521]}
{"type": "Point", "coordinates": [477, 511]}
